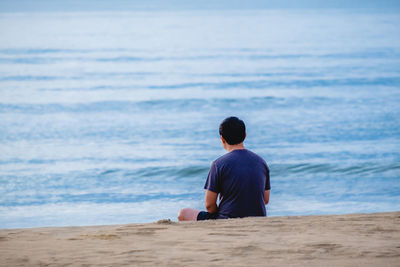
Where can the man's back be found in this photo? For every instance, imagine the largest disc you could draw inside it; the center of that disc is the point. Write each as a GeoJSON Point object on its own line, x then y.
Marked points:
{"type": "Point", "coordinates": [240, 177]}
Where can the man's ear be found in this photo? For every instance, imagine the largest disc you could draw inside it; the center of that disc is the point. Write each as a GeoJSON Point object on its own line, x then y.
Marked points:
{"type": "Point", "coordinates": [223, 140]}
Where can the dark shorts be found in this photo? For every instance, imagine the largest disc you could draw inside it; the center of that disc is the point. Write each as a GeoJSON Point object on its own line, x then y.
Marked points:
{"type": "Point", "coordinates": [204, 215]}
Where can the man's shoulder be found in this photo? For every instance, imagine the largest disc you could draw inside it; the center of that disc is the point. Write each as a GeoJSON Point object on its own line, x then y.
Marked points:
{"type": "Point", "coordinates": [221, 159]}
{"type": "Point", "coordinates": [256, 155]}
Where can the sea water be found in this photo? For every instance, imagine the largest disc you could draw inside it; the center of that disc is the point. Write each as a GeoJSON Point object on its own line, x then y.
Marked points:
{"type": "Point", "coordinates": [112, 117]}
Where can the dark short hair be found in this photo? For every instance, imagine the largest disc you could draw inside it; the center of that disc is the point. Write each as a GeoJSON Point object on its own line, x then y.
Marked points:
{"type": "Point", "coordinates": [233, 130]}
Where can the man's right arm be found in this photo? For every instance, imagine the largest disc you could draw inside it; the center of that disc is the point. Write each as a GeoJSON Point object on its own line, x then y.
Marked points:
{"type": "Point", "coordinates": [211, 201]}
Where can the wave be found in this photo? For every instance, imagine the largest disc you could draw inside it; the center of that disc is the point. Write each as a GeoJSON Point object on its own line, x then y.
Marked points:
{"type": "Point", "coordinates": [40, 199]}
{"type": "Point", "coordinates": [171, 173]}
{"type": "Point", "coordinates": [290, 83]}
{"type": "Point", "coordinates": [277, 170]}
{"type": "Point", "coordinates": [32, 78]}
{"type": "Point", "coordinates": [210, 51]}
{"type": "Point", "coordinates": [161, 104]}
{"type": "Point", "coordinates": [39, 51]}
{"type": "Point", "coordinates": [44, 56]}
{"type": "Point", "coordinates": [172, 183]}
{"type": "Point", "coordinates": [334, 169]}
{"type": "Point", "coordinates": [249, 84]}
{"type": "Point", "coordinates": [168, 173]}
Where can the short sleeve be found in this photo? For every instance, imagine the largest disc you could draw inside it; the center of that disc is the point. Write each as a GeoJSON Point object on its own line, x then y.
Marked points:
{"type": "Point", "coordinates": [212, 183]}
{"type": "Point", "coordinates": [267, 183]}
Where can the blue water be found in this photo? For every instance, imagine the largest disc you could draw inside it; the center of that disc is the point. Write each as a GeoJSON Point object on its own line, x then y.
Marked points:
{"type": "Point", "coordinates": [112, 117]}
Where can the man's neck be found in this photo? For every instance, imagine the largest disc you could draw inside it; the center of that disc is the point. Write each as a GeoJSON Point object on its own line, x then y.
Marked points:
{"type": "Point", "coordinates": [230, 148]}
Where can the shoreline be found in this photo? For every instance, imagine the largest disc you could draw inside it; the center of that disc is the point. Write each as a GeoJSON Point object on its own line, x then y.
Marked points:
{"type": "Point", "coordinates": [314, 240]}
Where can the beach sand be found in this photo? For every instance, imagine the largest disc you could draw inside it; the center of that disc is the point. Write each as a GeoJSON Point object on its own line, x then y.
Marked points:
{"type": "Point", "coordinates": [334, 240]}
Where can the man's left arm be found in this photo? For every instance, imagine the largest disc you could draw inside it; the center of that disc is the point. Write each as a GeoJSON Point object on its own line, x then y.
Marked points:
{"type": "Point", "coordinates": [266, 196]}
{"type": "Point", "coordinates": [267, 188]}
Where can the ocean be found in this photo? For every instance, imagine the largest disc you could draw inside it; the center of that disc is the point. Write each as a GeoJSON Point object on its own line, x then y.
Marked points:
{"type": "Point", "coordinates": [112, 117]}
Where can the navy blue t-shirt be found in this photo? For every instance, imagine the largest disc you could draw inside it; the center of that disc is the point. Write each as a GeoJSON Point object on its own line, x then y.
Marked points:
{"type": "Point", "coordinates": [240, 177]}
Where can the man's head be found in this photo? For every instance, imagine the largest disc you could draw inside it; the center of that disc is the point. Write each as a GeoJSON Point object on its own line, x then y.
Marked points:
{"type": "Point", "coordinates": [233, 130]}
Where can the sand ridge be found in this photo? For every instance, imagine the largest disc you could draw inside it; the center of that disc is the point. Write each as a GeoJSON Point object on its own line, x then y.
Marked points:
{"type": "Point", "coordinates": [334, 240]}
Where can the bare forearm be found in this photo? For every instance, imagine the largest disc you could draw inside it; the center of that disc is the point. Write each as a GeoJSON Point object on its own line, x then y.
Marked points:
{"type": "Point", "coordinates": [211, 201]}
{"type": "Point", "coordinates": [212, 208]}
{"type": "Point", "coordinates": [266, 196]}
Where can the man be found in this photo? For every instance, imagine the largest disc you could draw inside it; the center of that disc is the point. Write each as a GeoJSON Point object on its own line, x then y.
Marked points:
{"type": "Point", "coordinates": [240, 178]}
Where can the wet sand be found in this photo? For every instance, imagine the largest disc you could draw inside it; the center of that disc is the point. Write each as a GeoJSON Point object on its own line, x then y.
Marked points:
{"type": "Point", "coordinates": [334, 240]}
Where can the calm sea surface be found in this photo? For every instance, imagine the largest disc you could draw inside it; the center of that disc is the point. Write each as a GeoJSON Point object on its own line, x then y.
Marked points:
{"type": "Point", "coordinates": [112, 117]}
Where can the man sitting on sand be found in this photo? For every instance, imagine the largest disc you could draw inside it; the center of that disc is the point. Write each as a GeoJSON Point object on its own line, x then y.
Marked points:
{"type": "Point", "coordinates": [240, 177]}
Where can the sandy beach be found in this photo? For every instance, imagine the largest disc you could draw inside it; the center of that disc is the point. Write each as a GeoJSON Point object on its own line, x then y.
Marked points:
{"type": "Point", "coordinates": [334, 240]}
